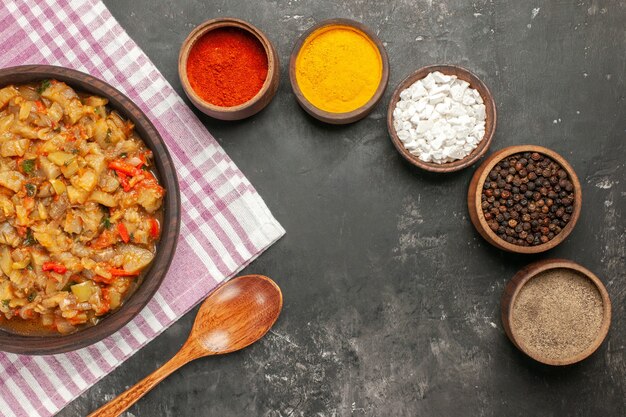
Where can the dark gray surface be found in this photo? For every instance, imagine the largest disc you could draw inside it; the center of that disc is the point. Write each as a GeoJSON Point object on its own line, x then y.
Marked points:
{"type": "Point", "coordinates": [391, 297]}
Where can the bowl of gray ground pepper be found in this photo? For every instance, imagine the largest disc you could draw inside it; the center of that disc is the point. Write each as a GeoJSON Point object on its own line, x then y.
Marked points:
{"type": "Point", "coordinates": [525, 199]}
{"type": "Point", "coordinates": [556, 311]}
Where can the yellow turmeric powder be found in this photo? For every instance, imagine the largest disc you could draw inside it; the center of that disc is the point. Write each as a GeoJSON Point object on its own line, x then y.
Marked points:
{"type": "Point", "coordinates": [338, 68]}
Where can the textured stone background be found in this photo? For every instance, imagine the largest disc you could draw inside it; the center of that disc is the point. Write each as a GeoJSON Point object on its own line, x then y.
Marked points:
{"type": "Point", "coordinates": [391, 297]}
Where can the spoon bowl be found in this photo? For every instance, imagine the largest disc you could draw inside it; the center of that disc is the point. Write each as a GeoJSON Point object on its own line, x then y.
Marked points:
{"type": "Point", "coordinates": [235, 315]}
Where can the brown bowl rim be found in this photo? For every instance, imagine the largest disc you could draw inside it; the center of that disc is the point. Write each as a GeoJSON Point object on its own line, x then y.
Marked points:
{"type": "Point", "coordinates": [524, 275]}
{"type": "Point", "coordinates": [475, 83]}
{"type": "Point", "coordinates": [474, 199]}
{"type": "Point", "coordinates": [111, 323]}
{"type": "Point", "coordinates": [356, 114]}
{"type": "Point", "coordinates": [239, 111]}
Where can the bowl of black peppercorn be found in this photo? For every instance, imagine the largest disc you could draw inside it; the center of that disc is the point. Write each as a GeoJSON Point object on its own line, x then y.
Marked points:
{"type": "Point", "coordinates": [524, 199]}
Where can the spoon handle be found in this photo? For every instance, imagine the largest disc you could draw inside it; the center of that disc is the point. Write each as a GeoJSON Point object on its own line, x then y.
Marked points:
{"type": "Point", "coordinates": [129, 397]}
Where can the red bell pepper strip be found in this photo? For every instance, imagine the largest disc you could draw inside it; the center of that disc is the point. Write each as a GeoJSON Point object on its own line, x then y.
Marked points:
{"type": "Point", "coordinates": [124, 181]}
{"type": "Point", "coordinates": [41, 108]}
{"type": "Point", "coordinates": [123, 231]}
{"type": "Point", "coordinates": [55, 267]}
{"type": "Point", "coordinates": [103, 280]}
{"type": "Point", "coordinates": [124, 167]}
{"type": "Point", "coordinates": [117, 272]}
{"type": "Point", "coordinates": [154, 228]}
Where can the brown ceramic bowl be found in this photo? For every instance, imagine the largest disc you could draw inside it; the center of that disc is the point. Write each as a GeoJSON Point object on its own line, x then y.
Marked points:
{"type": "Point", "coordinates": [514, 287]}
{"type": "Point", "coordinates": [475, 192]}
{"type": "Point", "coordinates": [256, 103]}
{"type": "Point", "coordinates": [166, 173]}
{"type": "Point", "coordinates": [348, 117]}
{"type": "Point", "coordinates": [490, 119]}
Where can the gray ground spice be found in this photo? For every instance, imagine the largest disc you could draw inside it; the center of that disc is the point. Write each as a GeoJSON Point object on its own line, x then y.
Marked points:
{"type": "Point", "coordinates": [557, 314]}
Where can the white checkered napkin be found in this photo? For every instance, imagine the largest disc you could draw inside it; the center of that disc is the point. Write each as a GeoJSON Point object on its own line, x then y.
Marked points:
{"type": "Point", "coordinates": [225, 224]}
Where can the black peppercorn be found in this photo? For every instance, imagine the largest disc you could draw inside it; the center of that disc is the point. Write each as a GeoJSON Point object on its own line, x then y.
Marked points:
{"type": "Point", "coordinates": [527, 199]}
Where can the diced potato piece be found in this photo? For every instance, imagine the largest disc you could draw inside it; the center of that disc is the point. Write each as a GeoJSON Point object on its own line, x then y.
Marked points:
{"type": "Point", "coordinates": [8, 235]}
{"type": "Point", "coordinates": [102, 271]}
{"type": "Point", "coordinates": [38, 258]}
{"type": "Point", "coordinates": [103, 198]}
{"type": "Point", "coordinates": [72, 223]}
{"type": "Point", "coordinates": [55, 241]}
{"type": "Point", "coordinates": [55, 112]}
{"type": "Point", "coordinates": [45, 134]}
{"type": "Point", "coordinates": [149, 198]}
{"type": "Point", "coordinates": [64, 95]}
{"type": "Point", "coordinates": [141, 237]}
{"type": "Point", "coordinates": [71, 169]}
{"type": "Point", "coordinates": [14, 147]}
{"type": "Point", "coordinates": [50, 169]}
{"type": "Point", "coordinates": [115, 299]}
{"type": "Point", "coordinates": [6, 94]}
{"type": "Point", "coordinates": [108, 183]}
{"type": "Point", "coordinates": [21, 264]}
{"type": "Point", "coordinates": [83, 291]}
{"type": "Point", "coordinates": [12, 180]}
{"type": "Point", "coordinates": [96, 162]}
{"type": "Point", "coordinates": [60, 158]}
{"type": "Point", "coordinates": [74, 110]}
{"type": "Point", "coordinates": [100, 132]}
{"type": "Point", "coordinates": [25, 110]}
{"type": "Point", "coordinates": [116, 129]}
{"type": "Point", "coordinates": [6, 293]}
{"type": "Point", "coordinates": [6, 263]}
{"type": "Point", "coordinates": [6, 206]}
{"type": "Point", "coordinates": [5, 123]}
{"type": "Point", "coordinates": [21, 216]}
{"type": "Point", "coordinates": [58, 185]}
{"type": "Point", "coordinates": [77, 195]}
{"type": "Point", "coordinates": [95, 101]}
{"type": "Point", "coordinates": [87, 180]}
{"type": "Point", "coordinates": [91, 216]}
{"type": "Point", "coordinates": [23, 130]}
{"type": "Point", "coordinates": [42, 211]}
{"type": "Point", "coordinates": [54, 300]}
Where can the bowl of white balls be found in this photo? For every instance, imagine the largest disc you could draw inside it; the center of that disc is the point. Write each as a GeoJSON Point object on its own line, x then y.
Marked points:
{"type": "Point", "coordinates": [442, 118]}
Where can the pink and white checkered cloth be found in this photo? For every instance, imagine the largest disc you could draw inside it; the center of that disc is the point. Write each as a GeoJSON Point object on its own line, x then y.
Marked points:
{"type": "Point", "coordinates": [225, 224]}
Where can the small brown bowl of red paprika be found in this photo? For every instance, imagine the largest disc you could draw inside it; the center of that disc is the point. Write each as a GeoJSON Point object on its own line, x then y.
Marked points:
{"type": "Point", "coordinates": [228, 68]}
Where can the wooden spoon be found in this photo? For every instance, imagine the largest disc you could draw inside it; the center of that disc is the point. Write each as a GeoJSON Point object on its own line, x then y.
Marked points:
{"type": "Point", "coordinates": [234, 316]}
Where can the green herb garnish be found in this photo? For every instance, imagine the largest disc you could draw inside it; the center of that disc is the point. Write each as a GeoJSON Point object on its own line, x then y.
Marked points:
{"type": "Point", "coordinates": [123, 155]}
{"type": "Point", "coordinates": [45, 84]}
{"type": "Point", "coordinates": [106, 218]}
{"type": "Point", "coordinates": [6, 302]}
{"type": "Point", "coordinates": [74, 151]}
{"type": "Point", "coordinates": [28, 165]}
{"type": "Point", "coordinates": [32, 296]}
{"type": "Point", "coordinates": [30, 239]}
{"type": "Point", "coordinates": [68, 162]}
{"type": "Point", "coordinates": [107, 138]}
{"type": "Point", "coordinates": [31, 189]}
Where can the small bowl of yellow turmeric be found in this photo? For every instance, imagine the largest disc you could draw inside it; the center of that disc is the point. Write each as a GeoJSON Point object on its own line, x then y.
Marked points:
{"type": "Point", "coordinates": [339, 71]}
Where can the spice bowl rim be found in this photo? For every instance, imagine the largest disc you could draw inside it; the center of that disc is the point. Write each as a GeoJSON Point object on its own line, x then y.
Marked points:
{"type": "Point", "coordinates": [345, 117]}
{"type": "Point", "coordinates": [490, 120]}
{"type": "Point", "coordinates": [522, 277]}
{"type": "Point", "coordinates": [166, 247]}
{"type": "Point", "coordinates": [475, 191]}
{"type": "Point", "coordinates": [255, 104]}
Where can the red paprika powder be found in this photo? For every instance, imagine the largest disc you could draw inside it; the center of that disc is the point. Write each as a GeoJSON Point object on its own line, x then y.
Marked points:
{"type": "Point", "coordinates": [227, 66]}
